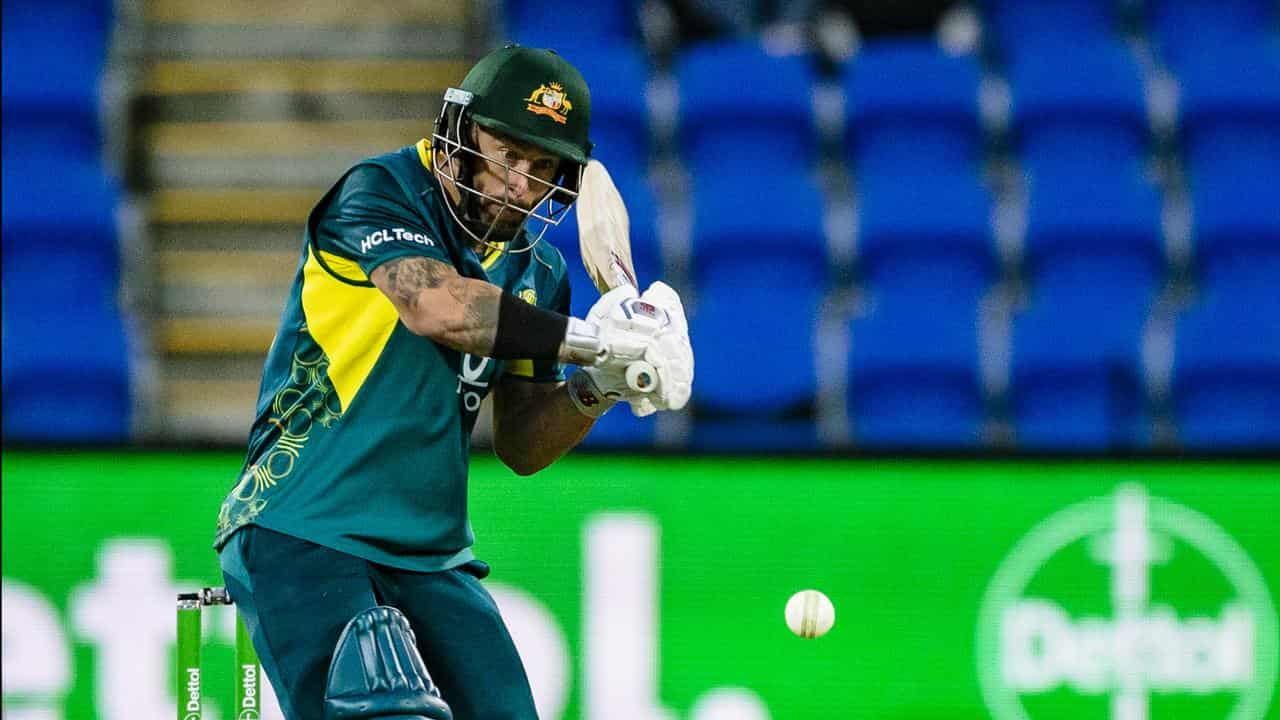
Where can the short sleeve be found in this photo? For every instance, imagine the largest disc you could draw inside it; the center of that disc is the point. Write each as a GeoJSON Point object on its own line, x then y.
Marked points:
{"type": "Point", "coordinates": [545, 371]}
{"type": "Point", "coordinates": [370, 221]}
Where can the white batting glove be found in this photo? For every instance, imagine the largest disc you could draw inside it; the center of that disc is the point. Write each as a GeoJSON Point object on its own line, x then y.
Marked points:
{"type": "Point", "coordinates": [626, 323]}
{"type": "Point", "coordinates": [670, 353]}
{"type": "Point", "coordinates": [594, 390]}
{"type": "Point", "coordinates": [626, 327]}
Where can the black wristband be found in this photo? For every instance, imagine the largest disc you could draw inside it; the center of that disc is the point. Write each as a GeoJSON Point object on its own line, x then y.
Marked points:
{"type": "Point", "coordinates": [527, 332]}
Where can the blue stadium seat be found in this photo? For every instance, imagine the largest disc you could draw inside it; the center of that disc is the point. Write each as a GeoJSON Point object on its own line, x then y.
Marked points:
{"type": "Point", "coordinates": [59, 220]}
{"type": "Point", "coordinates": [546, 23]}
{"type": "Point", "coordinates": [65, 279]}
{"type": "Point", "coordinates": [1019, 26]}
{"type": "Point", "coordinates": [618, 76]}
{"type": "Point", "coordinates": [1184, 29]}
{"type": "Point", "coordinates": [53, 56]}
{"type": "Point", "coordinates": [63, 193]}
{"type": "Point", "coordinates": [1076, 378]}
{"type": "Point", "coordinates": [1230, 111]}
{"type": "Point", "coordinates": [914, 381]}
{"type": "Point", "coordinates": [69, 197]}
{"type": "Point", "coordinates": [1231, 136]}
{"type": "Point", "coordinates": [746, 222]}
{"type": "Point", "coordinates": [35, 135]}
{"type": "Point", "coordinates": [1226, 375]}
{"type": "Point", "coordinates": [1236, 233]}
{"type": "Point", "coordinates": [1086, 106]}
{"type": "Point", "coordinates": [66, 373]}
{"type": "Point", "coordinates": [929, 234]}
{"type": "Point", "coordinates": [912, 109]}
{"type": "Point", "coordinates": [755, 348]}
{"type": "Point", "coordinates": [646, 250]}
{"type": "Point", "coordinates": [59, 228]}
{"type": "Point", "coordinates": [1094, 234]}
{"type": "Point", "coordinates": [760, 272]}
{"type": "Point", "coordinates": [738, 102]}
{"type": "Point", "coordinates": [756, 379]}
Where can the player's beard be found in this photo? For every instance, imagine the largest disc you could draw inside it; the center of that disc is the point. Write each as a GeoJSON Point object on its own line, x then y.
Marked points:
{"type": "Point", "coordinates": [506, 222]}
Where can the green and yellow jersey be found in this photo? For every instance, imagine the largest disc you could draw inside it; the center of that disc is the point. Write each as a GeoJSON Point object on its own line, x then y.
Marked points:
{"type": "Point", "coordinates": [362, 435]}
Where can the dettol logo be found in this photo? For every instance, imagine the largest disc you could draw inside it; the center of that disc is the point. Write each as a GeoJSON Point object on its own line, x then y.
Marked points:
{"type": "Point", "coordinates": [1127, 607]}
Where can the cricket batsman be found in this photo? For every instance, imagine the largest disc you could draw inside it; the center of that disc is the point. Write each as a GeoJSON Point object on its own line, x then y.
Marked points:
{"type": "Point", "coordinates": [423, 286]}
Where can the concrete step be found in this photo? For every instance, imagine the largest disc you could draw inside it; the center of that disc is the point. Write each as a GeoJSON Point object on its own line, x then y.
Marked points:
{"type": "Point", "coordinates": [300, 75]}
{"type": "Point", "coordinates": [283, 107]}
{"type": "Point", "coordinates": [209, 408]}
{"type": "Point", "coordinates": [243, 206]}
{"type": "Point", "coordinates": [279, 154]}
{"type": "Point", "coordinates": [215, 334]}
{"type": "Point", "coordinates": [280, 139]}
{"type": "Point", "coordinates": [318, 170]}
{"type": "Point", "coordinates": [274, 268]}
{"type": "Point", "coordinates": [174, 41]}
{"type": "Point", "coordinates": [227, 238]}
{"type": "Point", "coordinates": [237, 284]}
{"type": "Point", "coordinates": [261, 301]}
{"type": "Point", "coordinates": [247, 111]}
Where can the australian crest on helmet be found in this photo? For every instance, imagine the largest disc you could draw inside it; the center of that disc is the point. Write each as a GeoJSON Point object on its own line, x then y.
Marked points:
{"type": "Point", "coordinates": [549, 99]}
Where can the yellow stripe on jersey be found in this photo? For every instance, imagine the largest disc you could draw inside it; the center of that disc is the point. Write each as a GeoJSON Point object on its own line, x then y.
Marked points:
{"type": "Point", "coordinates": [491, 254]}
{"type": "Point", "coordinates": [351, 323]}
{"type": "Point", "coordinates": [424, 153]}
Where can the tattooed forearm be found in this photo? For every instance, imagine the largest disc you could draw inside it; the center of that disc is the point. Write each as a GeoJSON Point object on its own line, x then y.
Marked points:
{"type": "Point", "coordinates": [407, 277]}
{"type": "Point", "coordinates": [480, 325]}
{"type": "Point", "coordinates": [437, 302]}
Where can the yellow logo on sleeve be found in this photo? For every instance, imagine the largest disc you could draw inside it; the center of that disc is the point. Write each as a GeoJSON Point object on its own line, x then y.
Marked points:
{"type": "Point", "coordinates": [549, 100]}
{"type": "Point", "coordinates": [528, 295]}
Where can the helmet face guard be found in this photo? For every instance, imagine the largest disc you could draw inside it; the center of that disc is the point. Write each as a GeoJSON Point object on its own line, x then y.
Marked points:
{"type": "Point", "coordinates": [452, 136]}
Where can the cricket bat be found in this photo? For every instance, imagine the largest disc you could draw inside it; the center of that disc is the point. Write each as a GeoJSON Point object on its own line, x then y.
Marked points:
{"type": "Point", "coordinates": [604, 235]}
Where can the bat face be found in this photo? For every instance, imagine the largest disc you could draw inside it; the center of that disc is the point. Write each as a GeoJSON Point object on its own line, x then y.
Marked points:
{"type": "Point", "coordinates": [604, 230]}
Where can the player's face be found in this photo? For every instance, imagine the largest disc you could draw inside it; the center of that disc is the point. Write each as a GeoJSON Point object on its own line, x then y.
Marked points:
{"type": "Point", "coordinates": [524, 185]}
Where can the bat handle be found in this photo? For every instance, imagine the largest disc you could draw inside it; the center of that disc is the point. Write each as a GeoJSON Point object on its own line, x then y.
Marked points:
{"type": "Point", "coordinates": [622, 276]}
{"type": "Point", "coordinates": [641, 377]}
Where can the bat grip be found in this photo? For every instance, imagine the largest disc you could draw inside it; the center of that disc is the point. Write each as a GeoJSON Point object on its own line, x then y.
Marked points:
{"type": "Point", "coordinates": [640, 375]}
{"type": "Point", "coordinates": [622, 277]}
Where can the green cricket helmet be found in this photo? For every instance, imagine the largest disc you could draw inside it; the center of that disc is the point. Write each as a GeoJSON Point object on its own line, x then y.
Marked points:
{"type": "Point", "coordinates": [534, 96]}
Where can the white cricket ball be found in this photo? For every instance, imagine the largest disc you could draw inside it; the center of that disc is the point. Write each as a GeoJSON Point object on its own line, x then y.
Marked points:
{"type": "Point", "coordinates": [810, 614]}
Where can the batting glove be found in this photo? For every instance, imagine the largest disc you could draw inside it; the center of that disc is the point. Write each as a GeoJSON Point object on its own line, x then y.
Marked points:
{"type": "Point", "coordinates": [627, 327]}
{"type": "Point", "coordinates": [670, 353]}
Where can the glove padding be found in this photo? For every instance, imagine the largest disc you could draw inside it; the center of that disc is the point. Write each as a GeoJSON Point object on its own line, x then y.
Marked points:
{"type": "Point", "coordinates": [625, 333]}
{"type": "Point", "coordinates": [626, 323]}
{"type": "Point", "coordinates": [670, 353]}
{"type": "Point", "coordinates": [651, 327]}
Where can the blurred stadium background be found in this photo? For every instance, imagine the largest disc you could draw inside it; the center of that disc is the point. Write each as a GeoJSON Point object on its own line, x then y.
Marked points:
{"type": "Point", "coordinates": [1000, 259]}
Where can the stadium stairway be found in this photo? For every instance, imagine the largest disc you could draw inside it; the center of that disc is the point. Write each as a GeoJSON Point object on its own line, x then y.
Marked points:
{"type": "Point", "coordinates": [247, 112]}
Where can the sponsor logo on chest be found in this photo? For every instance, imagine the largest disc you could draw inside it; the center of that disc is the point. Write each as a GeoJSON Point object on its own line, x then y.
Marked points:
{"type": "Point", "coordinates": [386, 235]}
